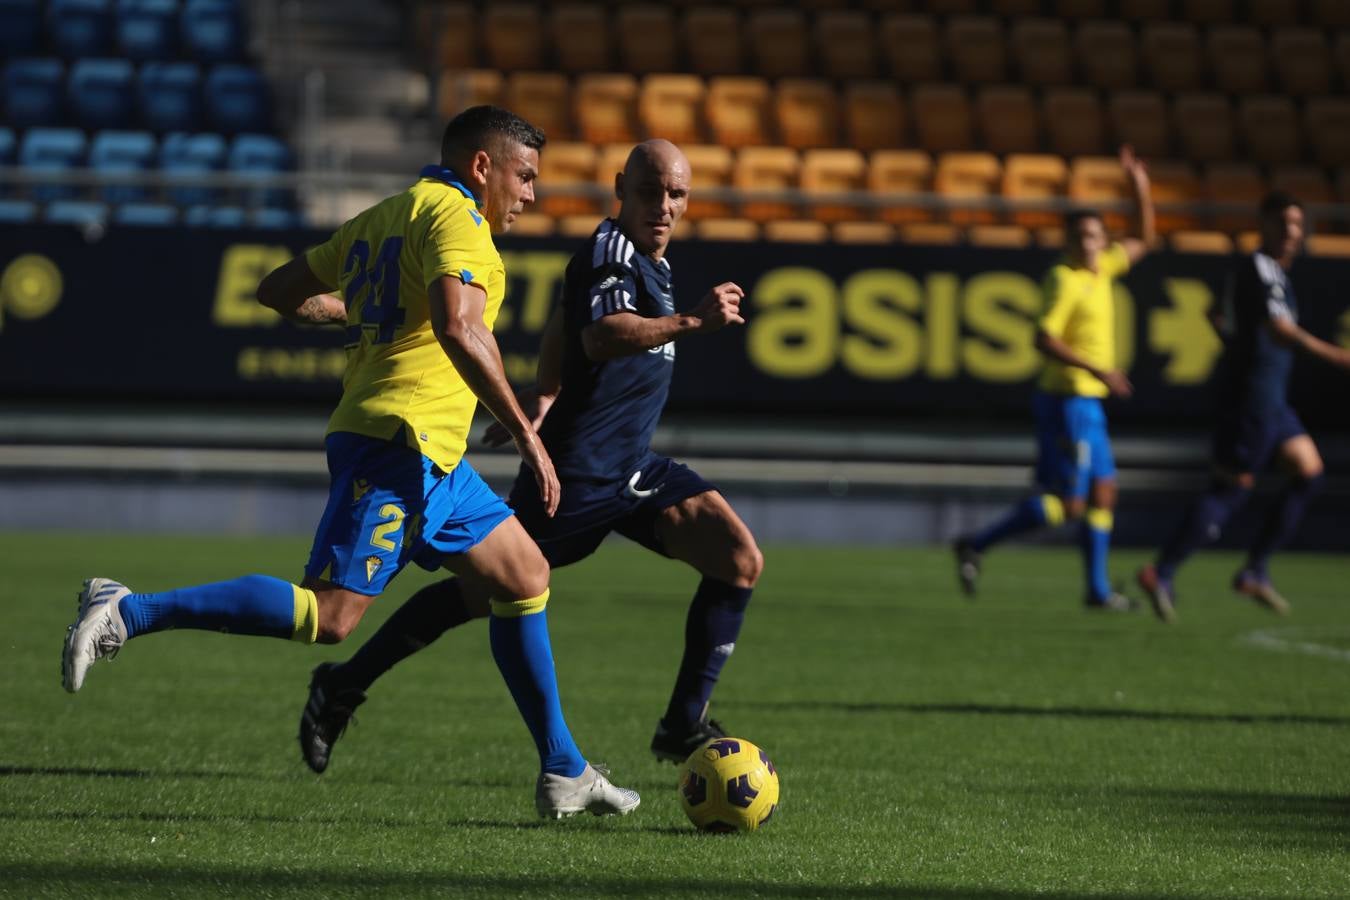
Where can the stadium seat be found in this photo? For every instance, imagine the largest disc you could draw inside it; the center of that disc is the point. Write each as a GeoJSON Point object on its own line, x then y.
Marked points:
{"type": "Point", "coordinates": [863, 233]}
{"type": "Point", "coordinates": [1268, 13]}
{"type": "Point", "coordinates": [147, 29]}
{"type": "Point", "coordinates": [513, 36]}
{"type": "Point", "coordinates": [1107, 56]}
{"type": "Point", "coordinates": [101, 93]}
{"type": "Point", "coordinates": [533, 224]}
{"type": "Point", "coordinates": [1074, 122]}
{"type": "Point", "coordinates": [738, 110]}
{"type": "Point", "coordinates": [1343, 186]}
{"type": "Point", "coordinates": [79, 28]}
{"type": "Point", "coordinates": [1307, 183]}
{"type": "Point", "coordinates": [231, 217]}
{"type": "Point", "coordinates": [1171, 55]}
{"type": "Point", "coordinates": [52, 150]}
{"type": "Point", "coordinates": [169, 96]}
{"type": "Point", "coordinates": [1013, 9]}
{"type": "Point", "coordinates": [1031, 177]}
{"type": "Point", "coordinates": [1240, 187]}
{"type": "Point", "coordinates": [145, 215]}
{"type": "Point", "coordinates": [1329, 13]}
{"type": "Point", "coordinates": [456, 91]}
{"type": "Point", "coordinates": [543, 98]}
{"type": "Point", "coordinates": [845, 44]}
{"type": "Point", "coordinates": [123, 151]}
{"type": "Point", "coordinates": [1040, 50]}
{"type": "Point", "coordinates": [768, 169]}
{"type": "Point", "coordinates": [1203, 124]}
{"type": "Point", "coordinates": [1248, 241]}
{"type": "Point", "coordinates": [726, 229]}
{"type": "Point", "coordinates": [930, 234]}
{"type": "Point", "coordinates": [1236, 55]}
{"type": "Point", "coordinates": [1302, 61]}
{"type": "Point", "coordinates": [912, 48]}
{"type": "Point", "coordinates": [969, 176]}
{"type": "Point", "coordinates": [1212, 242]}
{"type": "Point", "coordinates": [34, 92]}
{"type": "Point", "coordinates": [1146, 10]}
{"type": "Point", "coordinates": [1011, 237]}
{"type": "Point", "coordinates": [1009, 119]}
{"type": "Point", "coordinates": [605, 107]}
{"type": "Point", "coordinates": [579, 36]}
{"type": "Point", "coordinates": [710, 169]}
{"type": "Point", "coordinates": [563, 164]}
{"type": "Point", "coordinates": [796, 231]}
{"type": "Point", "coordinates": [271, 218]}
{"type": "Point", "coordinates": [1341, 53]}
{"type": "Point", "coordinates": [1174, 183]}
{"type": "Point", "coordinates": [647, 39]}
{"type": "Point", "coordinates": [942, 118]}
{"type": "Point", "coordinates": [874, 115]}
{"type": "Point", "coordinates": [951, 7]}
{"type": "Point", "coordinates": [1337, 245]}
{"type": "Point", "coordinates": [974, 45]}
{"type": "Point", "coordinates": [1208, 12]}
{"type": "Point", "coordinates": [453, 45]}
{"type": "Point", "coordinates": [1051, 237]}
{"type": "Point", "coordinates": [1327, 124]}
{"type": "Point", "coordinates": [609, 161]}
{"type": "Point", "coordinates": [1139, 118]}
{"type": "Point", "coordinates": [576, 227]}
{"type": "Point", "coordinates": [835, 171]}
{"type": "Point", "coordinates": [17, 212]}
{"type": "Point", "coordinates": [20, 27]}
{"type": "Point", "coordinates": [807, 113]}
{"type": "Point", "coordinates": [192, 153]}
{"type": "Point", "coordinates": [80, 213]}
{"type": "Point", "coordinates": [712, 40]}
{"type": "Point", "coordinates": [261, 155]}
{"type": "Point", "coordinates": [779, 41]}
{"type": "Point", "coordinates": [8, 146]}
{"type": "Point", "coordinates": [1080, 9]}
{"type": "Point", "coordinates": [237, 99]}
{"type": "Point", "coordinates": [898, 173]}
{"type": "Point", "coordinates": [671, 107]}
{"type": "Point", "coordinates": [212, 30]}
{"type": "Point", "coordinates": [1095, 180]}
{"type": "Point", "coordinates": [1270, 128]}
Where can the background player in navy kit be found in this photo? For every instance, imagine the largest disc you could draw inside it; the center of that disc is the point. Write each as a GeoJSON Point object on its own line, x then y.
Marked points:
{"type": "Point", "coordinates": [1256, 424]}
{"type": "Point", "coordinates": [604, 373]}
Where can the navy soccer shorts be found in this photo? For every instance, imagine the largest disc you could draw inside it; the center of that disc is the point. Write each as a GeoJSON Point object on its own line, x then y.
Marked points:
{"type": "Point", "coordinates": [1246, 439]}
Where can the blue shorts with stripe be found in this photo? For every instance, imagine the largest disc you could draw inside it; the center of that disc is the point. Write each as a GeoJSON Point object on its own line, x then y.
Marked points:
{"type": "Point", "coordinates": [1073, 447]}
{"type": "Point", "coordinates": [589, 511]}
{"type": "Point", "coordinates": [389, 505]}
{"type": "Point", "coordinates": [1246, 439]}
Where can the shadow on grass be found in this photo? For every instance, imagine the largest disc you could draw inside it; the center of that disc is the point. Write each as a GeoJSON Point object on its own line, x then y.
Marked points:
{"type": "Point", "coordinates": [1067, 712]}
{"type": "Point", "coordinates": [300, 774]}
{"type": "Point", "coordinates": [1296, 820]}
{"type": "Point", "coordinates": [176, 818]}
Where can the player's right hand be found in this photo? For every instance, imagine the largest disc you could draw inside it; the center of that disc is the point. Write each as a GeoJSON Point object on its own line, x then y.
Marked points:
{"type": "Point", "coordinates": [1118, 384]}
{"type": "Point", "coordinates": [533, 454]}
{"type": "Point", "coordinates": [720, 307]}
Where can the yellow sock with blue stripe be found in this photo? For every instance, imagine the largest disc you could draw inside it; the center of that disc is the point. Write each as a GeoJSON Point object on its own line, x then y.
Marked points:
{"type": "Point", "coordinates": [518, 631]}
{"type": "Point", "coordinates": [1095, 541]}
{"type": "Point", "coordinates": [254, 604]}
{"type": "Point", "coordinates": [1031, 513]}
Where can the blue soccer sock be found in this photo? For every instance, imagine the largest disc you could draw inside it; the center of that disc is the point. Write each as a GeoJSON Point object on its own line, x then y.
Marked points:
{"type": "Point", "coordinates": [254, 604]}
{"type": "Point", "coordinates": [710, 632]}
{"type": "Point", "coordinates": [1282, 522]}
{"type": "Point", "coordinates": [1095, 540]}
{"type": "Point", "coordinates": [1033, 512]}
{"type": "Point", "coordinates": [519, 635]}
{"type": "Point", "coordinates": [1203, 524]}
{"type": "Point", "coordinates": [426, 615]}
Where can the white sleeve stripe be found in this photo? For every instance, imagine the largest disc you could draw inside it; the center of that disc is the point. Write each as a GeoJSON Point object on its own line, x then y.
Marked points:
{"type": "Point", "coordinates": [1278, 309]}
{"type": "Point", "coordinates": [1267, 268]}
{"type": "Point", "coordinates": [603, 304]}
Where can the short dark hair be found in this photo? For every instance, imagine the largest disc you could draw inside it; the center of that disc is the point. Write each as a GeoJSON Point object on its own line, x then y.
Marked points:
{"type": "Point", "coordinates": [1276, 202]}
{"type": "Point", "coordinates": [1073, 217]}
{"type": "Point", "coordinates": [481, 127]}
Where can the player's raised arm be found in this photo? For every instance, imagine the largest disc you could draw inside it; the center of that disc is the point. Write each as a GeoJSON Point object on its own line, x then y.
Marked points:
{"type": "Point", "coordinates": [301, 296]}
{"type": "Point", "coordinates": [624, 333]}
{"type": "Point", "coordinates": [1136, 173]}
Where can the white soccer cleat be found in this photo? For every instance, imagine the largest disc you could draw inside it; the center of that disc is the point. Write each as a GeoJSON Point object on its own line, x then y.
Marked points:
{"type": "Point", "coordinates": [97, 633]}
{"type": "Point", "coordinates": [557, 796]}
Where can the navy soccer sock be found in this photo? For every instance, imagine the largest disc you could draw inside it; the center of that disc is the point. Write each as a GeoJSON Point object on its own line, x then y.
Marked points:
{"type": "Point", "coordinates": [1203, 523]}
{"type": "Point", "coordinates": [710, 632]}
{"type": "Point", "coordinates": [254, 604]}
{"type": "Point", "coordinates": [1033, 512]}
{"type": "Point", "coordinates": [423, 618]}
{"type": "Point", "coordinates": [1282, 522]}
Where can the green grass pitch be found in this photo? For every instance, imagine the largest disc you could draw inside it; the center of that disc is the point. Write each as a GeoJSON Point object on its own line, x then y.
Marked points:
{"type": "Point", "coordinates": [929, 747]}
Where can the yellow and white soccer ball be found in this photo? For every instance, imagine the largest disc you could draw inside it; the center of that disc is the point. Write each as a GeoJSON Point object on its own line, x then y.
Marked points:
{"type": "Point", "coordinates": [728, 784]}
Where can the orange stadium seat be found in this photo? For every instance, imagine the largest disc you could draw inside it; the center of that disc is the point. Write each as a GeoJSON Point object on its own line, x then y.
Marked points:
{"type": "Point", "coordinates": [1013, 9]}
{"type": "Point", "coordinates": [1146, 10]}
{"type": "Point", "coordinates": [458, 90]}
{"type": "Point", "coordinates": [710, 168]}
{"type": "Point", "coordinates": [1327, 124]}
{"type": "Point", "coordinates": [605, 107]}
{"type": "Point", "coordinates": [796, 231]}
{"type": "Point", "coordinates": [565, 164]}
{"type": "Point", "coordinates": [975, 47]}
{"type": "Point", "coordinates": [1009, 119]}
{"type": "Point", "coordinates": [874, 115]}
{"type": "Point", "coordinates": [1329, 13]}
{"type": "Point", "coordinates": [807, 112]}
{"type": "Point", "coordinates": [1074, 121]}
{"type": "Point", "coordinates": [1139, 118]}
{"type": "Point", "coordinates": [1010, 236]}
{"type": "Point", "coordinates": [543, 98]}
{"type": "Point", "coordinates": [671, 107]}
{"type": "Point", "coordinates": [1208, 12]}
{"type": "Point", "coordinates": [609, 161]}
{"type": "Point", "coordinates": [1307, 183]}
{"type": "Point", "coordinates": [845, 44]}
{"type": "Point", "coordinates": [578, 226]}
{"type": "Point", "coordinates": [533, 224]}
{"type": "Point", "coordinates": [1051, 236]}
{"type": "Point", "coordinates": [513, 34]}
{"type": "Point", "coordinates": [579, 34]}
{"type": "Point", "coordinates": [1213, 242]}
{"type": "Point", "coordinates": [893, 172]}
{"type": "Point", "coordinates": [1328, 244]}
{"type": "Point", "coordinates": [1040, 50]}
{"type": "Point", "coordinates": [738, 109]}
{"type": "Point", "coordinates": [1171, 55]}
{"type": "Point", "coordinates": [1248, 241]}
{"type": "Point", "coordinates": [1237, 58]}
{"type": "Point", "coordinates": [1203, 124]}
{"type": "Point", "coordinates": [767, 169]}
{"type": "Point", "coordinates": [1099, 180]}
{"type": "Point", "coordinates": [1080, 9]}
{"type": "Point", "coordinates": [1034, 176]}
{"type": "Point", "coordinates": [1175, 183]}
{"type": "Point", "coordinates": [779, 42]}
{"type": "Point", "coordinates": [726, 229]}
{"type": "Point", "coordinates": [1238, 184]}
{"type": "Point", "coordinates": [1106, 54]}
{"type": "Point", "coordinates": [1302, 60]}
{"type": "Point", "coordinates": [863, 232]}
{"type": "Point", "coordinates": [826, 172]}
{"type": "Point", "coordinates": [712, 39]}
{"type": "Point", "coordinates": [930, 234]}
{"type": "Point", "coordinates": [1270, 127]}
{"type": "Point", "coordinates": [967, 176]}
{"type": "Point", "coordinates": [1267, 13]}
{"type": "Point", "coordinates": [647, 39]}
{"type": "Point", "coordinates": [911, 47]}
{"type": "Point", "coordinates": [942, 118]}
{"type": "Point", "coordinates": [454, 35]}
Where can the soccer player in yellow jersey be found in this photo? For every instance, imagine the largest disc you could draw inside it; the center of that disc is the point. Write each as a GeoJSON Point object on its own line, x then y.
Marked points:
{"type": "Point", "coordinates": [1075, 472]}
{"type": "Point", "coordinates": [422, 283]}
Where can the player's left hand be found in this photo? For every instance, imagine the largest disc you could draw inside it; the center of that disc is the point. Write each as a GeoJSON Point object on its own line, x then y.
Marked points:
{"type": "Point", "coordinates": [532, 403]}
{"type": "Point", "coordinates": [1134, 167]}
{"type": "Point", "coordinates": [533, 454]}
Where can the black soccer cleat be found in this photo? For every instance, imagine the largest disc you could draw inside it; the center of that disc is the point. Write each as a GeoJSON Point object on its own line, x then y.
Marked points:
{"type": "Point", "coordinates": [967, 566]}
{"type": "Point", "coordinates": [674, 746]}
{"type": "Point", "coordinates": [326, 715]}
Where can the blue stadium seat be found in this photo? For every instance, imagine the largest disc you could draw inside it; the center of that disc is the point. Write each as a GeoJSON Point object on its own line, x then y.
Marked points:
{"type": "Point", "coordinates": [7, 145]}
{"type": "Point", "coordinates": [170, 96]}
{"type": "Point", "coordinates": [52, 150]}
{"type": "Point", "coordinates": [273, 219]}
{"type": "Point", "coordinates": [192, 153]}
{"type": "Point", "coordinates": [261, 154]}
{"type": "Point", "coordinates": [213, 30]}
{"type": "Point", "coordinates": [80, 27]}
{"type": "Point", "coordinates": [76, 212]}
{"type": "Point", "coordinates": [237, 100]}
{"type": "Point", "coordinates": [147, 29]}
{"type": "Point", "coordinates": [35, 91]}
{"type": "Point", "coordinates": [100, 93]}
{"type": "Point", "coordinates": [146, 215]}
{"type": "Point", "coordinates": [214, 217]}
{"type": "Point", "coordinates": [123, 151]}
{"type": "Point", "coordinates": [17, 212]}
{"type": "Point", "coordinates": [20, 26]}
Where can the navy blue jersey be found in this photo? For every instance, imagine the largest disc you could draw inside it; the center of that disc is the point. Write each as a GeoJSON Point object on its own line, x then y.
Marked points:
{"type": "Point", "coordinates": [1256, 367]}
{"type": "Point", "coordinates": [601, 425]}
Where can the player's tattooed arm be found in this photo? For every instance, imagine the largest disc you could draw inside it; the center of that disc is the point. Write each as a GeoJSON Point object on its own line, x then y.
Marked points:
{"type": "Point", "coordinates": [321, 309]}
{"type": "Point", "coordinates": [297, 293]}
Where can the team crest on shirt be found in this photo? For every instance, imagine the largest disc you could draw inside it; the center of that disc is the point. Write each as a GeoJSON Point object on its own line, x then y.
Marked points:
{"type": "Point", "coordinates": [373, 564]}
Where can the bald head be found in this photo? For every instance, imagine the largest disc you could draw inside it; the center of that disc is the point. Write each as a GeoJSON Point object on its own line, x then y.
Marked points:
{"type": "Point", "coordinates": [653, 191]}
